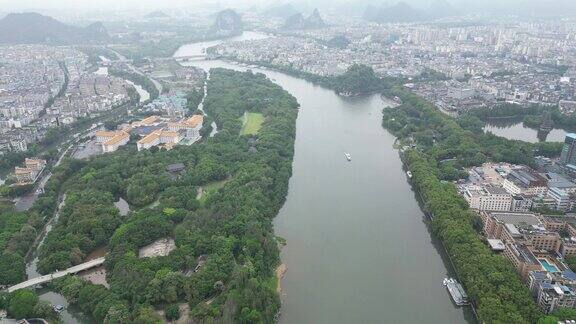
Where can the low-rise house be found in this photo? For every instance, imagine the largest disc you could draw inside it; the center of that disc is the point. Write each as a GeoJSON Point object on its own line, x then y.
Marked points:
{"type": "Point", "coordinates": [175, 168]}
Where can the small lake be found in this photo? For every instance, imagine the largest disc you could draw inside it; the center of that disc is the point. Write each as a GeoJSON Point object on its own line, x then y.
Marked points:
{"type": "Point", "coordinates": [517, 131]}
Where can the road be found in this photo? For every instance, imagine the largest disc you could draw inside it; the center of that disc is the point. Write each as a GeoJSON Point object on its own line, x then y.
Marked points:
{"type": "Point", "coordinates": [58, 274]}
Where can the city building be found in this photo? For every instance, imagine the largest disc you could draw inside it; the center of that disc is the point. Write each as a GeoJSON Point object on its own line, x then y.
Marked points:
{"type": "Point", "coordinates": [525, 181]}
{"type": "Point", "coordinates": [568, 156]}
{"type": "Point", "coordinates": [561, 198]}
{"type": "Point", "coordinates": [190, 127]}
{"type": "Point", "coordinates": [159, 137]}
{"type": "Point", "coordinates": [553, 289]}
{"type": "Point", "coordinates": [30, 171]}
{"type": "Point", "coordinates": [522, 259]}
{"type": "Point", "coordinates": [111, 141]}
{"type": "Point", "coordinates": [489, 197]}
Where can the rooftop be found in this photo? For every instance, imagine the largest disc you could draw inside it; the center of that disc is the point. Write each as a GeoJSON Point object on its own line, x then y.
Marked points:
{"type": "Point", "coordinates": [516, 218]}
{"type": "Point", "coordinates": [150, 138]}
{"type": "Point", "coordinates": [118, 137]}
{"type": "Point", "coordinates": [526, 177]}
{"type": "Point", "coordinates": [558, 181]}
{"type": "Point", "coordinates": [496, 245]}
{"type": "Point", "coordinates": [494, 190]}
{"type": "Point", "coordinates": [105, 134]}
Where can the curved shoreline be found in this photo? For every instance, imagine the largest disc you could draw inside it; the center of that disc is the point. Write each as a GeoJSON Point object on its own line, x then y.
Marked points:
{"type": "Point", "coordinates": [280, 272]}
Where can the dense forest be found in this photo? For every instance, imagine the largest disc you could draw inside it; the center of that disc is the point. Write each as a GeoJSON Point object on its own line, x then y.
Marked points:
{"type": "Point", "coordinates": [456, 143]}
{"type": "Point", "coordinates": [18, 230]}
{"type": "Point", "coordinates": [194, 98]}
{"type": "Point", "coordinates": [357, 80]}
{"type": "Point", "coordinates": [225, 250]}
{"type": "Point", "coordinates": [441, 148]}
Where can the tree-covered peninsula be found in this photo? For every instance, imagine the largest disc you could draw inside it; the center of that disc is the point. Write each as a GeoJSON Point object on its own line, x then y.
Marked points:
{"type": "Point", "coordinates": [225, 252]}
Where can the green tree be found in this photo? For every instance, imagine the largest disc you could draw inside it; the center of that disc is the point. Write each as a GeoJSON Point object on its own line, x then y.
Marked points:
{"type": "Point", "coordinates": [172, 312]}
{"type": "Point", "coordinates": [22, 304]}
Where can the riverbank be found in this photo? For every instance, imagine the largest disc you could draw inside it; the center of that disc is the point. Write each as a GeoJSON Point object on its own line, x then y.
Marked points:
{"type": "Point", "coordinates": [430, 215]}
{"type": "Point", "coordinates": [344, 85]}
{"type": "Point", "coordinates": [280, 272]}
{"type": "Point", "coordinates": [452, 219]}
{"type": "Point", "coordinates": [324, 205]}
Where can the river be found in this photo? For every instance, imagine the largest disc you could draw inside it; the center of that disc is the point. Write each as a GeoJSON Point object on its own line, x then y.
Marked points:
{"type": "Point", "coordinates": [144, 95]}
{"type": "Point", "coordinates": [70, 314]}
{"type": "Point", "coordinates": [358, 247]}
{"type": "Point", "coordinates": [515, 130]}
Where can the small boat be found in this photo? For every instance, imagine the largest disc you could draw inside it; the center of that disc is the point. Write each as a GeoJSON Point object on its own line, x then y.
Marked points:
{"type": "Point", "coordinates": [456, 291]}
{"type": "Point", "coordinates": [409, 174]}
{"type": "Point", "coordinates": [348, 156]}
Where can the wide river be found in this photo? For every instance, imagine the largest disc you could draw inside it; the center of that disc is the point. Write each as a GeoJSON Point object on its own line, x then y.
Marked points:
{"type": "Point", "coordinates": [358, 246]}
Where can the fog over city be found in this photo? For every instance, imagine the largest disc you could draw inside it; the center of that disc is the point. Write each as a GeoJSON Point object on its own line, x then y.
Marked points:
{"type": "Point", "coordinates": [524, 7]}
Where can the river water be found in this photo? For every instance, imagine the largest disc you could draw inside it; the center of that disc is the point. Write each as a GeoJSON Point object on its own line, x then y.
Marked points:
{"type": "Point", "coordinates": [144, 95]}
{"type": "Point", "coordinates": [358, 247]}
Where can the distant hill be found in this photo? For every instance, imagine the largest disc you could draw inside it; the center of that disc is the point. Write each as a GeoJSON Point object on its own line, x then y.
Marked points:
{"type": "Point", "coordinates": [440, 9]}
{"type": "Point", "coordinates": [157, 14]}
{"type": "Point", "coordinates": [298, 21]}
{"type": "Point", "coordinates": [281, 11]}
{"type": "Point", "coordinates": [402, 12]}
{"type": "Point", "coordinates": [228, 22]}
{"type": "Point", "coordinates": [36, 28]}
{"type": "Point", "coordinates": [339, 42]}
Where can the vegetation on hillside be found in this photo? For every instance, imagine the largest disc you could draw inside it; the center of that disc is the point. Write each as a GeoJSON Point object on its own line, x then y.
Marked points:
{"type": "Point", "coordinates": [231, 230]}
{"type": "Point", "coordinates": [18, 230]}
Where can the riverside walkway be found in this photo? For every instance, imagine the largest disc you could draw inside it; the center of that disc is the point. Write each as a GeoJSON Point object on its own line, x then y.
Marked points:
{"type": "Point", "coordinates": [49, 277]}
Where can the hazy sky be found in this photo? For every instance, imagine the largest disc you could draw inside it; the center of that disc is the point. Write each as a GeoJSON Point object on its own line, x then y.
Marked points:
{"type": "Point", "coordinates": [8, 5]}
{"type": "Point", "coordinates": [105, 5]}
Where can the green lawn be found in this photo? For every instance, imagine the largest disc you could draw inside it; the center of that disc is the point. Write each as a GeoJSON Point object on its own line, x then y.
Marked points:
{"type": "Point", "coordinates": [251, 123]}
{"type": "Point", "coordinates": [210, 188]}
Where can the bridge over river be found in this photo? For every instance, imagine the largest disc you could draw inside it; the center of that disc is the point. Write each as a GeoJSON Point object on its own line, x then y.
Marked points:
{"type": "Point", "coordinates": [59, 274]}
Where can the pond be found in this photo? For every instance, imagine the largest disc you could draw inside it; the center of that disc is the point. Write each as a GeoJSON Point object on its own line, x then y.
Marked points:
{"type": "Point", "coordinates": [514, 129]}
